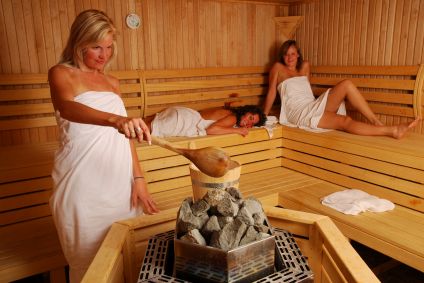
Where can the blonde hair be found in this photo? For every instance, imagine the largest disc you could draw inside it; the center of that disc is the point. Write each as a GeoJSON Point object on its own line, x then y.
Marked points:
{"type": "Point", "coordinates": [89, 27]}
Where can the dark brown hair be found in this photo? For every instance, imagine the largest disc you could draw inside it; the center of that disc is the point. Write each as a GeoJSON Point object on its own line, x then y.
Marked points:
{"type": "Point", "coordinates": [285, 48]}
{"type": "Point", "coordinates": [253, 109]}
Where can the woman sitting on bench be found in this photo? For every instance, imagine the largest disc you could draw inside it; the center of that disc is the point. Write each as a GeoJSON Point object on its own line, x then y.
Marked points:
{"type": "Point", "coordinates": [299, 107]}
{"type": "Point", "coordinates": [182, 121]}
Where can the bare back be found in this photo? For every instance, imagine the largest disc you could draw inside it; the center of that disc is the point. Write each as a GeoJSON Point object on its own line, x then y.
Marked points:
{"type": "Point", "coordinates": [215, 113]}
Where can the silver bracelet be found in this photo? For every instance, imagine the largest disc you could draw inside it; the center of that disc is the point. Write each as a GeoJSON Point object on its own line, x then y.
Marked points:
{"type": "Point", "coordinates": [138, 177]}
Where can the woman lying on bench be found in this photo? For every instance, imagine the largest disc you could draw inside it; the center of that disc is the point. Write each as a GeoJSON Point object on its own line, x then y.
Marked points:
{"type": "Point", "coordinates": [182, 121]}
{"type": "Point", "coordinates": [300, 108]}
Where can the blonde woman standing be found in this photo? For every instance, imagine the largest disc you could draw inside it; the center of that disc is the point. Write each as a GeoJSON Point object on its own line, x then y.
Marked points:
{"type": "Point", "coordinates": [96, 174]}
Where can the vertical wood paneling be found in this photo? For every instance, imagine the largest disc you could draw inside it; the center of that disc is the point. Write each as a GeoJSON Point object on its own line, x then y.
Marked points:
{"type": "Point", "coordinates": [48, 33]}
{"type": "Point", "coordinates": [11, 36]}
{"type": "Point", "coordinates": [196, 33]}
{"type": "Point", "coordinates": [31, 42]}
{"type": "Point", "coordinates": [20, 36]}
{"type": "Point", "coordinates": [413, 24]}
{"type": "Point", "coordinates": [362, 32]}
{"type": "Point", "coordinates": [208, 33]}
{"type": "Point", "coordinates": [56, 30]}
{"type": "Point", "coordinates": [419, 37]}
{"type": "Point", "coordinates": [174, 34]}
{"type": "Point", "coordinates": [5, 64]}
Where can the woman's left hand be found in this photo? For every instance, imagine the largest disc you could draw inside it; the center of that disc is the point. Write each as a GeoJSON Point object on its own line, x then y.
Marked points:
{"type": "Point", "coordinates": [140, 193]}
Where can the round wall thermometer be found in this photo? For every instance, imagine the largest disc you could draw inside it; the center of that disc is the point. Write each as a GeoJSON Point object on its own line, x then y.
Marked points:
{"type": "Point", "coordinates": [133, 21]}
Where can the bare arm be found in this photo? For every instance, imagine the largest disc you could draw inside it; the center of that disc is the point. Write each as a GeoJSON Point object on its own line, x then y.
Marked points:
{"type": "Point", "coordinates": [139, 187]}
{"type": "Point", "coordinates": [63, 91]}
{"type": "Point", "coordinates": [226, 126]}
{"type": "Point", "coordinates": [306, 69]}
{"type": "Point", "coordinates": [272, 89]}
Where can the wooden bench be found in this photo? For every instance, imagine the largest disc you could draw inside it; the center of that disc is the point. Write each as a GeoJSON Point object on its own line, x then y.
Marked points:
{"type": "Point", "coordinates": [329, 254]}
{"type": "Point", "coordinates": [25, 183]}
{"type": "Point", "coordinates": [29, 242]}
{"type": "Point", "coordinates": [384, 167]}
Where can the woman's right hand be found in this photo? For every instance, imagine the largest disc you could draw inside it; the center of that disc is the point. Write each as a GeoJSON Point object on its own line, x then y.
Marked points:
{"type": "Point", "coordinates": [243, 131]}
{"type": "Point", "coordinates": [133, 128]}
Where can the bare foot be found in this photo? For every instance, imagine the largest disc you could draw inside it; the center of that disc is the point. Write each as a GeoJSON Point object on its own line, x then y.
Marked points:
{"type": "Point", "coordinates": [401, 129]}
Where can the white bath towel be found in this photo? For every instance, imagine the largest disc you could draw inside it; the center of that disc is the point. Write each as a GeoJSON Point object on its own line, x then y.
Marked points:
{"type": "Point", "coordinates": [92, 182]}
{"type": "Point", "coordinates": [299, 107]}
{"type": "Point", "coordinates": [177, 121]}
{"type": "Point", "coordinates": [271, 122]}
{"type": "Point", "coordinates": [353, 202]}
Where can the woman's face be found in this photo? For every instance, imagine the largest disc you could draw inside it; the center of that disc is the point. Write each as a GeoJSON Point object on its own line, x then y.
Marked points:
{"type": "Point", "coordinates": [96, 55]}
{"type": "Point", "coordinates": [249, 120]}
{"type": "Point", "coordinates": [290, 58]}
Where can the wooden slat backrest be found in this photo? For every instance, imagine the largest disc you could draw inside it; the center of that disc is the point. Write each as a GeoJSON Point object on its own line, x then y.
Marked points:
{"type": "Point", "coordinates": [27, 116]}
{"type": "Point", "coordinates": [25, 99]}
{"type": "Point", "coordinates": [389, 90]}
{"type": "Point", "coordinates": [381, 166]}
{"type": "Point", "coordinates": [203, 88]}
{"type": "Point", "coordinates": [26, 184]}
{"type": "Point", "coordinates": [166, 170]}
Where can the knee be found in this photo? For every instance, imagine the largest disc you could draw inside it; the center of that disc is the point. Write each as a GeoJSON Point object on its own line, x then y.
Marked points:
{"type": "Point", "coordinates": [347, 84]}
{"type": "Point", "coordinates": [345, 123]}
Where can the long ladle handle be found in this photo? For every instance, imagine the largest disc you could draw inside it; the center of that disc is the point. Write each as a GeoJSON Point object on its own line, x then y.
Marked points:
{"type": "Point", "coordinates": [166, 144]}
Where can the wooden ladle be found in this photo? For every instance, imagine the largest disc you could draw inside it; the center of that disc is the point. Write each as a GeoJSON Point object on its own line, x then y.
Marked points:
{"type": "Point", "coordinates": [212, 161]}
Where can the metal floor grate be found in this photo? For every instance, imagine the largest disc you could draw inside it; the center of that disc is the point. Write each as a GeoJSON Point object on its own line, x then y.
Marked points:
{"type": "Point", "coordinates": [290, 265]}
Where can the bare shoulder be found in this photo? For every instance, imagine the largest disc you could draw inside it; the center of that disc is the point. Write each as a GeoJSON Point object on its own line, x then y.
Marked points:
{"type": "Point", "coordinates": [114, 82]}
{"type": "Point", "coordinates": [277, 72]}
{"type": "Point", "coordinates": [277, 67]}
{"type": "Point", "coordinates": [215, 113]}
{"type": "Point", "coordinates": [305, 69]}
{"type": "Point", "coordinates": [59, 70]}
{"type": "Point", "coordinates": [61, 74]}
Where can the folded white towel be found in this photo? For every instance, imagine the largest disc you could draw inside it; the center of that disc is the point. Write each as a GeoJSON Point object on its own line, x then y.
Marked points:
{"type": "Point", "coordinates": [353, 202]}
{"type": "Point", "coordinates": [271, 122]}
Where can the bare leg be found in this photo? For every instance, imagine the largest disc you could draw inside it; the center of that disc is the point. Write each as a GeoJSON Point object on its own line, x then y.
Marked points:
{"type": "Point", "coordinates": [347, 90]}
{"type": "Point", "coordinates": [330, 120]}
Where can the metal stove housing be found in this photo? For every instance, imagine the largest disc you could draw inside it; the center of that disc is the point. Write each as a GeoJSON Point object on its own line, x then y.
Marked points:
{"type": "Point", "coordinates": [290, 265]}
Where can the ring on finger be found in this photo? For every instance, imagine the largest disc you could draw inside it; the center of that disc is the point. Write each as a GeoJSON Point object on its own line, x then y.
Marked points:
{"type": "Point", "coordinates": [138, 129]}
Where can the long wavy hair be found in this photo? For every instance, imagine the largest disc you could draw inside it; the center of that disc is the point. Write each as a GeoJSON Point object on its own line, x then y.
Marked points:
{"type": "Point", "coordinates": [242, 110]}
{"type": "Point", "coordinates": [285, 48]}
{"type": "Point", "coordinates": [89, 27]}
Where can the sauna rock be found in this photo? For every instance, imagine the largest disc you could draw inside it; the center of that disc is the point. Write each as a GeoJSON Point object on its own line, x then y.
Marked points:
{"type": "Point", "coordinates": [222, 219]}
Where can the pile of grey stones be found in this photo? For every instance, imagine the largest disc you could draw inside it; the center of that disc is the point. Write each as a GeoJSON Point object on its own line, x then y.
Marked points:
{"type": "Point", "coordinates": [222, 219]}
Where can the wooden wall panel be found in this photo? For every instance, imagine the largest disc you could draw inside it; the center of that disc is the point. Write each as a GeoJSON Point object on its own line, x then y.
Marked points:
{"type": "Point", "coordinates": [208, 33]}
{"type": "Point", "coordinates": [174, 33]}
{"type": "Point", "coordinates": [200, 33]}
{"type": "Point", "coordinates": [362, 32]}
